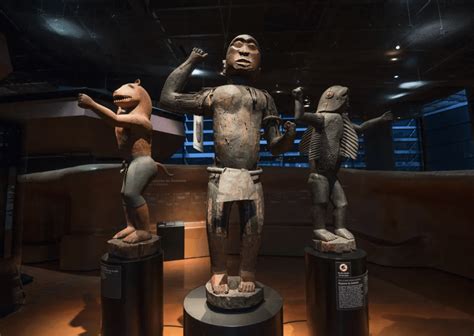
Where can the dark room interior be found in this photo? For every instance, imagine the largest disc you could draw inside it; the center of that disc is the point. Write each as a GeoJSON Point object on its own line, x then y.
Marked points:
{"type": "Point", "coordinates": [404, 189]}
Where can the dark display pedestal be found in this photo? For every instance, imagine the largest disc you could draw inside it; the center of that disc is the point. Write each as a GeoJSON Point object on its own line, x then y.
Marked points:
{"type": "Point", "coordinates": [263, 320]}
{"type": "Point", "coordinates": [132, 296]}
{"type": "Point", "coordinates": [336, 293]}
{"type": "Point", "coordinates": [172, 239]}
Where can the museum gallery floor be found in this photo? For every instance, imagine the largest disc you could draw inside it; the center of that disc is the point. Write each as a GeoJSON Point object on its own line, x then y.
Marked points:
{"type": "Point", "coordinates": [402, 302]}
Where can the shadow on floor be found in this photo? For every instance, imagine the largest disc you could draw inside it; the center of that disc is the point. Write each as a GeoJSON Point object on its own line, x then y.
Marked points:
{"type": "Point", "coordinates": [409, 325]}
{"type": "Point", "coordinates": [87, 317]}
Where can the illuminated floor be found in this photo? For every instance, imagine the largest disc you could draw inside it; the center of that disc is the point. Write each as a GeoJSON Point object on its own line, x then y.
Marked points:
{"type": "Point", "coordinates": [403, 302]}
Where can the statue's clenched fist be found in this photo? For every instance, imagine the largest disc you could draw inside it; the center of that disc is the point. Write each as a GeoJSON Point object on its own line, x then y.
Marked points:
{"type": "Point", "coordinates": [84, 100]}
{"type": "Point", "coordinates": [387, 116]}
{"type": "Point", "coordinates": [197, 55]}
{"type": "Point", "coordinates": [289, 126]}
{"type": "Point", "coordinates": [298, 93]}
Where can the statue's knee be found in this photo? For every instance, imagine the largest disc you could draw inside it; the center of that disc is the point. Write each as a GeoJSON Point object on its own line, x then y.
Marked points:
{"type": "Point", "coordinates": [133, 200]}
{"type": "Point", "coordinates": [340, 205]}
{"type": "Point", "coordinates": [253, 227]}
{"type": "Point", "coordinates": [217, 231]}
{"type": "Point", "coordinates": [319, 187]}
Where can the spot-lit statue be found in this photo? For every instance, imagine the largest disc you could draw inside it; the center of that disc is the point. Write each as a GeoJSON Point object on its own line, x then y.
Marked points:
{"type": "Point", "coordinates": [239, 111]}
{"type": "Point", "coordinates": [133, 131]}
{"type": "Point", "coordinates": [330, 139]}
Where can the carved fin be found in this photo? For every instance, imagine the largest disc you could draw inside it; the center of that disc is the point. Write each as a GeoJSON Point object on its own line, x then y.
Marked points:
{"type": "Point", "coordinates": [349, 141]}
{"type": "Point", "coordinates": [311, 143]}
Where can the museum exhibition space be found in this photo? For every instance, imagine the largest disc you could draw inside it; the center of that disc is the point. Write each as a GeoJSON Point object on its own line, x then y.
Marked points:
{"type": "Point", "coordinates": [237, 168]}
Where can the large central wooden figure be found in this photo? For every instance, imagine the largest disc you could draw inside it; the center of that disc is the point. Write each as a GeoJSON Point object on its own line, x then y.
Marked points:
{"type": "Point", "coordinates": [238, 110]}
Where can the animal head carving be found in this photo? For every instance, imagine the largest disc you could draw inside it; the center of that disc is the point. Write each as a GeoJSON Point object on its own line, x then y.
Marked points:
{"type": "Point", "coordinates": [334, 99]}
{"type": "Point", "coordinates": [131, 95]}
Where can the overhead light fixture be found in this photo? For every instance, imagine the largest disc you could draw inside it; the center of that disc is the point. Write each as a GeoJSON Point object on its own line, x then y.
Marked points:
{"type": "Point", "coordinates": [434, 31]}
{"type": "Point", "coordinates": [397, 47]}
{"type": "Point", "coordinates": [64, 27]}
{"type": "Point", "coordinates": [396, 96]}
{"type": "Point", "coordinates": [396, 76]}
{"type": "Point", "coordinates": [412, 85]}
{"type": "Point", "coordinates": [198, 72]}
{"type": "Point", "coordinates": [394, 59]}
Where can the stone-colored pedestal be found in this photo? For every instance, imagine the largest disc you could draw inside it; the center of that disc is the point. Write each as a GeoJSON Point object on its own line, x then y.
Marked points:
{"type": "Point", "coordinates": [118, 248]}
{"type": "Point", "coordinates": [234, 299]}
{"type": "Point", "coordinates": [338, 245]}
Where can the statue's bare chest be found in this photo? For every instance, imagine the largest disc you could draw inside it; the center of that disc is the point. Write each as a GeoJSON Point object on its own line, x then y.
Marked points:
{"type": "Point", "coordinates": [238, 103]}
{"type": "Point", "coordinates": [333, 126]}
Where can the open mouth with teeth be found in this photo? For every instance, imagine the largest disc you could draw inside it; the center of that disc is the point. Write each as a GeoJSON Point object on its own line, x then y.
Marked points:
{"type": "Point", "coordinates": [120, 99]}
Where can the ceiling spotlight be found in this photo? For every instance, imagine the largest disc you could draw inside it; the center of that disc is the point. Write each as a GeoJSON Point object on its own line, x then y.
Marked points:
{"type": "Point", "coordinates": [397, 47]}
{"type": "Point", "coordinates": [197, 72]}
{"type": "Point", "coordinates": [412, 85]}
{"type": "Point", "coordinates": [394, 59]}
{"type": "Point", "coordinates": [396, 96]}
{"type": "Point", "coordinates": [396, 76]}
{"type": "Point", "coordinates": [64, 27]}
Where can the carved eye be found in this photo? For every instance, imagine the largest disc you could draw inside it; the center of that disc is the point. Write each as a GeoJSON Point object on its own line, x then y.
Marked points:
{"type": "Point", "coordinates": [329, 94]}
{"type": "Point", "coordinates": [252, 46]}
{"type": "Point", "coordinates": [238, 44]}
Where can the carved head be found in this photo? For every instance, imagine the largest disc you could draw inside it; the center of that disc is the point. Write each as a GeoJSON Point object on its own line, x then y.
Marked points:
{"type": "Point", "coordinates": [243, 57]}
{"type": "Point", "coordinates": [131, 95]}
{"type": "Point", "coordinates": [334, 99]}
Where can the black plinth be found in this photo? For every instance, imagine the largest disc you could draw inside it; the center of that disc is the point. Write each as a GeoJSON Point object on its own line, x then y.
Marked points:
{"type": "Point", "coordinates": [336, 293]}
{"type": "Point", "coordinates": [132, 296]}
{"type": "Point", "coordinates": [264, 320]}
{"type": "Point", "coordinates": [172, 239]}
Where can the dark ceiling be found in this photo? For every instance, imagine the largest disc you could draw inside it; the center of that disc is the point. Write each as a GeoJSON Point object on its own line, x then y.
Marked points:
{"type": "Point", "coordinates": [104, 43]}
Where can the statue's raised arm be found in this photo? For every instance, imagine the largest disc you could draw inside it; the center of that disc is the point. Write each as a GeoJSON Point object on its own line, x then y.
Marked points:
{"type": "Point", "coordinates": [386, 117]}
{"type": "Point", "coordinates": [311, 119]}
{"type": "Point", "coordinates": [172, 97]}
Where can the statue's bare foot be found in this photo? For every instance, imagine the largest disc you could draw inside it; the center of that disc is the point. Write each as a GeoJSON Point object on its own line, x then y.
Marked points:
{"type": "Point", "coordinates": [219, 283]}
{"type": "Point", "coordinates": [324, 235]}
{"type": "Point", "coordinates": [344, 233]}
{"type": "Point", "coordinates": [137, 236]}
{"type": "Point", "coordinates": [124, 233]}
{"type": "Point", "coordinates": [247, 281]}
{"type": "Point", "coordinates": [246, 286]}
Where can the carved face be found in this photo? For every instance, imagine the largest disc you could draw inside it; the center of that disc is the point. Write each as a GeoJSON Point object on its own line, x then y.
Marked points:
{"type": "Point", "coordinates": [128, 95]}
{"type": "Point", "coordinates": [243, 56]}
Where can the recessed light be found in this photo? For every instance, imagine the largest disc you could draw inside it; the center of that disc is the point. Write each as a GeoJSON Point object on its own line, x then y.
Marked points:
{"type": "Point", "coordinates": [412, 85]}
{"type": "Point", "coordinates": [197, 72]}
{"type": "Point", "coordinates": [397, 47]}
{"type": "Point", "coordinates": [394, 59]}
{"type": "Point", "coordinates": [396, 96]}
{"type": "Point", "coordinates": [396, 76]}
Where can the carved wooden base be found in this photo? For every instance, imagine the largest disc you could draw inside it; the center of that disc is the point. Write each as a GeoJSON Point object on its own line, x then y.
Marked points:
{"type": "Point", "coordinates": [234, 299]}
{"type": "Point", "coordinates": [338, 245]}
{"type": "Point", "coordinates": [118, 248]}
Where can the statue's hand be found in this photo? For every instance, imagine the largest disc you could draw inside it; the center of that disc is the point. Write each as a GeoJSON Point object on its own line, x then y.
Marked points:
{"type": "Point", "coordinates": [84, 101]}
{"type": "Point", "coordinates": [387, 116]}
{"type": "Point", "coordinates": [290, 127]}
{"type": "Point", "coordinates": [197, 56]}
{"type": "Point", "coordinates": [298, 93]}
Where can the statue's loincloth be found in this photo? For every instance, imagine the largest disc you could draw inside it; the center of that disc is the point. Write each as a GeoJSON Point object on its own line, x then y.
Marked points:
{"type": "Point", "coordinates": [235, 184]}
